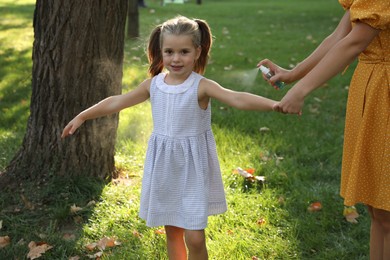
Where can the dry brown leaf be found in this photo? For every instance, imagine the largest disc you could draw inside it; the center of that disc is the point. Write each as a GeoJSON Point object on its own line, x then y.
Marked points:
{"type": "Point", "coordinates": [315, 206]}
{"type": "Point", "coordinates": [160, 231]}
{"type": "Point", "coordinates": [91, 246]}
{"type": "Point", "coordinates": [74, 258]}
{"type": "Point", "coordinates": [106, 242]}
{"type": "Point", "coordinates": [96, 256]}
{"type": "Point", "coordinates": [74, 209]}
{"type": "Point", "coordinates": [248, 174]}
{"type": "Point", "coordinates": [78, 219]}
{"type": "Point", "coordinates": [261, 221]}
{"type": "Point", "coordinates": [264, 129]}
{"type": "Point", "coordinates": [69, 237]}
{"type": "Point", "coordinates": [37, 249]}
{"type": "Point", "coordinates": [136, 233]}
{"type": "Point", "coordinates": [26, 202]}
{"type": "Point", "coordinates": [1, 224]}
{"type": "Point", "coordinates": [4, 241]}
{"type": "Point", "coordinates": [351, 214]}
{"type": "Point", "coordinates": [91, 203]}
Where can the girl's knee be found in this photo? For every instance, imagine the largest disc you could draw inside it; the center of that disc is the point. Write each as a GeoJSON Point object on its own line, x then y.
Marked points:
{"type": "Point", "coordinates": [173, 233]}
{"type": "Point", "coordinates": [195, 239]}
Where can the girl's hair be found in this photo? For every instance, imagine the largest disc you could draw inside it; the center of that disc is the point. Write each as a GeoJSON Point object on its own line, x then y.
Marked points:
{"type": "Point", "coordinates": [201, 35]}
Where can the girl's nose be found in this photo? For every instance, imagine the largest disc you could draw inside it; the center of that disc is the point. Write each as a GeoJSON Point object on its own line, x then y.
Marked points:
{"type": "Point", "coordinates": [176, 56]}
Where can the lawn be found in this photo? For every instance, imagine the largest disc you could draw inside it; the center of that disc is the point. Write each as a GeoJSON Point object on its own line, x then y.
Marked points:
{"type": "Point", "coordinates": [300, 157]}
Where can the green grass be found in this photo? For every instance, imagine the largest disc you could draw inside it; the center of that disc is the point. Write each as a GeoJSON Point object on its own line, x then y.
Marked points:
{"type": "Point", "coordinates": [300, 156]}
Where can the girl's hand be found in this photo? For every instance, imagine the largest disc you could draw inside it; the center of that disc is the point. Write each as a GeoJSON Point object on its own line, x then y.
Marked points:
{"type": "Point", "coordinates": [291, 103]}
{"type": "Point", "coordinates": [71, 127]}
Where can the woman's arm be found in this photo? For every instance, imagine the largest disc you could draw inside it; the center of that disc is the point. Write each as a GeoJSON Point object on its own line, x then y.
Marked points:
{"type": "Point", "coordinates": [288, 76]}
{"type": "Point", "coordinates": [335, 60]}
{"type": "Point", "coordinates": [343, 28]}
{"type": "Point", "coordinates": [240, 100]}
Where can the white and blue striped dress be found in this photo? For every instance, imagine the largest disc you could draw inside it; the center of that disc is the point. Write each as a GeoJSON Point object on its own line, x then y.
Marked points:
{"type": "Point", "coordinates": [182, 182]}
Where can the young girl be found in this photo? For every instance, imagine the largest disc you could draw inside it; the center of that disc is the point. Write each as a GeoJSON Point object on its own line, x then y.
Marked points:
{"type": "Point", "coordinates": [363, 31]}
{"type": "Point", "coordinates": [182, 182]}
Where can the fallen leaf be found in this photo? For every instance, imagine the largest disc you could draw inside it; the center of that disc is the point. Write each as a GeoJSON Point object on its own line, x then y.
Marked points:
{"type": "Point", "coordinates": [4, 241]}
{"type": "Point", "coordinates": [248, 175]}
{"type": "Point", "coordinates": [78, 219]}
{"type": "Point", "coordinates": [309, 37]}
{"type": "Point", "coordinates": [225, 31]}
{"type": "Point", "coordinates": [37, 249]}
{"type": "Point", "coordinates": [1, 224]}
{"type": "Point", "coordinates": [314, 109]}
{"type": "Point", "coordinates": [264, 129]}
{"type": "Point", "coordinates": [69, 237]}
{"type": "Point", "coordinates": [315, 206]}
{"type": "Point", "coordinates": [250, 170]}
{"type": "Point", "coordinates": [261, 221]}
{"type": "Point", "coordinates": [26, 202]}
{"type": "Point", "coordinates": [230, 67]}
{"type": "Point", "coordinates": [136, 233]}
{"type": "Point", "coordinates": [91, 203]}
{"type": "Point", "coordinates": [160, 231]}
{"type": "Point", "coordinates": [107, 242]}
{"type": "Point", "coordinates": [91, 246]}
{"type": "Point", "coordinates": [74, 209]}
{"type": "Point", "coordinates": [96, 255]}
{"type": "Point", "coordinates": [351, 214]}
{"type": "Point", "coordinates": [74, 258]}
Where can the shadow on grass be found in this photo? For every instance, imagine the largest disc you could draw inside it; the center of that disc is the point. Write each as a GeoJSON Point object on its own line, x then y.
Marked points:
{"type": "Point", "coordinates": [41, 211]}
{"type": "Point", "coordinates": [15, 90]}
{"type": "Point", "coordinates": [15, 15]}
{"type": "Point", "coordinates": [309, 170]}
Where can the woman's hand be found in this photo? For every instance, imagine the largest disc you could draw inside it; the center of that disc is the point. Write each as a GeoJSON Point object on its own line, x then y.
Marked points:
{"type": "Point", "coordinates": [279, 73]}
{"type": "Point", "coordinates": [291, 103]}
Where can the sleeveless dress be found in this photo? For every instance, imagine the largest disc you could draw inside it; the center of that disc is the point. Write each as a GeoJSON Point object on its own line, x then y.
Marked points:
{"type": "Point", "coordinates": [366, 156]}
{"type": "Point", "coordinates": [182, 183]}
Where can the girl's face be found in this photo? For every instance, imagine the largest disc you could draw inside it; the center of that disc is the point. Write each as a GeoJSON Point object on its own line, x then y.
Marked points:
{"type": "Point", "coordinates": [179, 55]}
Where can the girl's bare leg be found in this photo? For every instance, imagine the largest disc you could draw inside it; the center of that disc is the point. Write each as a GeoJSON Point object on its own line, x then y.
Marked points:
{"type": "Point", "coordinates": [196, 244]}
{"type": "Point", "coordinates": [379, 234]}
{"type": "Point", "coordinates": [175, 243]}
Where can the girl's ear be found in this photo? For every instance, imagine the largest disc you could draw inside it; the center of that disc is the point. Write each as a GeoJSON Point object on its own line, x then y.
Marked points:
{"type": "Point", "coordinates": [198, 52]}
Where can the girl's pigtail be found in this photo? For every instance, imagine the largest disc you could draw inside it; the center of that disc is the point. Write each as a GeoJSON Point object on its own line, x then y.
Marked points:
{"type": "Point", "coordinates": [154, 52]}
{"type": "Point", "coordinates": [206, 41]}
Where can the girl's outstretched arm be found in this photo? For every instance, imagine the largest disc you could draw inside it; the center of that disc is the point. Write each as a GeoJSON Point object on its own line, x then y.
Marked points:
{"type": "Point", "coordinates": [240, 100]}
{"type": "Point", "coordinates": [109, 106]}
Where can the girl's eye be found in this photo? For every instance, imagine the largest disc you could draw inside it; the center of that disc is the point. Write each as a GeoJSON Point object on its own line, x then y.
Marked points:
{"type": "Point", "coordinates": [168, 51]}
{"type": "Point", "coordinates": [185, 51]}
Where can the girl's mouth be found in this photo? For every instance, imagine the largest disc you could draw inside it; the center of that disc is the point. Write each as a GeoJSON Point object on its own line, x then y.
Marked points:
{"type": "Point", "coordinates": [176, 68]}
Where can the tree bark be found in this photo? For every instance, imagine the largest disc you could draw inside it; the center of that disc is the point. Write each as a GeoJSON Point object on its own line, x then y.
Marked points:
{"type": "Point", "coordinates": [77, 61]}
{"type": "Point", "coordinates": [133, 20]}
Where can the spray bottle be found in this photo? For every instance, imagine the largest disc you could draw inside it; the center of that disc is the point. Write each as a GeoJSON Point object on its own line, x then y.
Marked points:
{"type": "Point", "coordinates": [268, 74]}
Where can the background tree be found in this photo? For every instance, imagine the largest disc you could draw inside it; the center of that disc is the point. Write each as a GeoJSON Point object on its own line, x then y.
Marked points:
{"type": "Point", "coordinates": [77, 61]}
{"type": "Point", "coordinates": [133, 19]}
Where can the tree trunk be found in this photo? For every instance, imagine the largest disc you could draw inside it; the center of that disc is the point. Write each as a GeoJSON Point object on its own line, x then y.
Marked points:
{"type": "Point", "coordinates": [133, 20]}
{"type": "Point", "coordinates": [77, 61]}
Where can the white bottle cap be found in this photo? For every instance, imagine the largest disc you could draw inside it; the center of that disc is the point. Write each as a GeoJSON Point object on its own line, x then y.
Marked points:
{"type": "Point", "coordinates": [265, 70]}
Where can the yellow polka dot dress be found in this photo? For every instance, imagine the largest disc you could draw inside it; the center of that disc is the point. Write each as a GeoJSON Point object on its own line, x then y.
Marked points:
{"type": "Point", "coordinates": [366, 156]}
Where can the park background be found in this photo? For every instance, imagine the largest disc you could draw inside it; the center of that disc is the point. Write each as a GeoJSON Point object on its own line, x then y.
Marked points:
{"type": "Point", "coordinates": [300, 157]}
